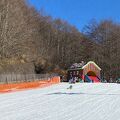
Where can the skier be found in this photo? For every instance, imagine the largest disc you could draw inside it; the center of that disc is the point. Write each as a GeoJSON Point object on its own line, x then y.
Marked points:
{"type": "Point", "coordinates": [70, 87]}
{"type": "Point", "coordinates": [71, 81]}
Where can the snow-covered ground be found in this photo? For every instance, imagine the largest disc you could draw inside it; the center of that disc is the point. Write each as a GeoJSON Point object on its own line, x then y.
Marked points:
{"type": "Point", "coordinates": [86, 101]}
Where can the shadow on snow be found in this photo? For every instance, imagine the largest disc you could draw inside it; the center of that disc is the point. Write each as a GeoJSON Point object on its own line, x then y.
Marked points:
{"type": "Point", "coordinates": [72, 93]}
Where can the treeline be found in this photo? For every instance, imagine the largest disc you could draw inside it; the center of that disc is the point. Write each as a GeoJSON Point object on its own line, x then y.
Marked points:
{"type": "Point", "coordinates": [106, 35]}
{"type": "Point", "coordinates": [31, 42]}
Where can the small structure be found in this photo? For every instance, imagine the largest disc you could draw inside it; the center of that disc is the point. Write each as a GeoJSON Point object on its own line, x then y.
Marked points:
{"type": "Point", "coordinates": [89, 72]}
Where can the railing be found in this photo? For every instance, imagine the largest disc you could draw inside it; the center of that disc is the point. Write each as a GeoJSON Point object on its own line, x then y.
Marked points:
{"type": "Point", "coordinates": [18, 78]}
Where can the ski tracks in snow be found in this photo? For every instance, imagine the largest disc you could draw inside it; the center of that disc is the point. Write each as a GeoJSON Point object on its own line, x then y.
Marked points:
{"type": "Point", "coordinates": [86, 101]}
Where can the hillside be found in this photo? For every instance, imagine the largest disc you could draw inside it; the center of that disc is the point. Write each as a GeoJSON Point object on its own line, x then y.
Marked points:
{"type": "Point", "coordinates": [32, 42]}
{"type": "Point", "coordinates": [85, 101]}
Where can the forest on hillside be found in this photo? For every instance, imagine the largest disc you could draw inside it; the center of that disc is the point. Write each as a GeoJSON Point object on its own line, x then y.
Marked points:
{"type": "Point", "coordinates": [31, 42]}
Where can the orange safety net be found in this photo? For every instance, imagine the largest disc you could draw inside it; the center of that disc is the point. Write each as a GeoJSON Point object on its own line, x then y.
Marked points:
{"type": "Point", "coordinates": [28, 85]}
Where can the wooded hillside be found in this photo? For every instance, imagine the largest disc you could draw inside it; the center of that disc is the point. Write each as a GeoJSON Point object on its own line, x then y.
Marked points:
{"type": "Point", "coordinates": [31, 42]}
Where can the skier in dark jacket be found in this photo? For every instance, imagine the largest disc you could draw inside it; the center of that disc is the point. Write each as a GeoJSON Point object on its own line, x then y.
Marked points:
{"type": "Point", "coordinates": [70, 87]}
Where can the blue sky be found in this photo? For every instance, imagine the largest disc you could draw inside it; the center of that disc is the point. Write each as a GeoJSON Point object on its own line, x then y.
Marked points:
{"type": "Point", "coordinates": [80, 12]}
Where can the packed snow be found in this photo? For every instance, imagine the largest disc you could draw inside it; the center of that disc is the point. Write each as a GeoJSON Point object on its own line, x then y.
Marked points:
{"type": "Point", "coordinates": [85, 101]}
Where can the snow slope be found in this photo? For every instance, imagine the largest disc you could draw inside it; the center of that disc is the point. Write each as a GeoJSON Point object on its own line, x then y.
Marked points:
{"type": "Point", "coordinates": [86, 101]}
